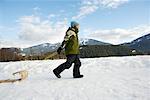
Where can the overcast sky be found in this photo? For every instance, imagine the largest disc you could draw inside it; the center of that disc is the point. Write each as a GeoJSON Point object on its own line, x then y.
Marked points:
{"type": "Point", "coordinates": [25, 23]}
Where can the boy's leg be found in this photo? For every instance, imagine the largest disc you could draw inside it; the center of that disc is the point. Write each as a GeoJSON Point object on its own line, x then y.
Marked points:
{"type": "Point", "coordinates": [66, 65]}
{"type": "Point", "coordinates": [59, 69]}
{"type": "Point", "coordinates": [76, 69]}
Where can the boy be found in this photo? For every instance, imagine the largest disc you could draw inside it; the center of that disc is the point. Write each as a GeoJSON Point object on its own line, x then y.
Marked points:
{"type": "Point", "coordinates": [71, 45]}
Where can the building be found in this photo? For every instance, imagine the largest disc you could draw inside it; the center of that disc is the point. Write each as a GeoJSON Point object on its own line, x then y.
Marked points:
{"type": "Point", "coordinates": [10, 54]}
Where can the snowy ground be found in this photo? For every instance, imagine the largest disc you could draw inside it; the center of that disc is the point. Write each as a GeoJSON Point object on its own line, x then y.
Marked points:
{"type": "Point", "coordinates": [114, 78]}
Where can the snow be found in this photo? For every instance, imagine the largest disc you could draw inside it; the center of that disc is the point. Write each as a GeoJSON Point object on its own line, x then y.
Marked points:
{"type": "Point", "coordinates": [139, 40]}
{"type": "Point", "coordinates": [83, 41]}
{"type": "Point", "coordinates": [133, 51]}
{"type": "Point", "coordinates": [112, 78]}
{"type": "Point", "coordinates": [148, 37]}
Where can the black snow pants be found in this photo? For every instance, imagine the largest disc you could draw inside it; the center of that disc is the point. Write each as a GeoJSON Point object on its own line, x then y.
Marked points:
{"type": "Point", "coordinates": [72, 58]}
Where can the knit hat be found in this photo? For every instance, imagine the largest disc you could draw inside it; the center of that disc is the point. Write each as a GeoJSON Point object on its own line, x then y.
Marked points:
{"type": "Point", "coordinates": [73, 24]}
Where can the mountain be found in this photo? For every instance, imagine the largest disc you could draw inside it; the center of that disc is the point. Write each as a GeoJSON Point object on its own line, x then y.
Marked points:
{"type": "Point", "coordinates": [85, 41]}
{"type": "Point", "coordinates": [141, 44]}
{"type": "Point", "coordinates": [48, 47]}
{"type": "Point", "coordinates": [41, 49]}
{"type": "Point", "coordinates": [92, 51]}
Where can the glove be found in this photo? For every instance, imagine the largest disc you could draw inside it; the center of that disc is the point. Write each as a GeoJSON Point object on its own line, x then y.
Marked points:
{"type": "Point", "coordinates": [59, 50]}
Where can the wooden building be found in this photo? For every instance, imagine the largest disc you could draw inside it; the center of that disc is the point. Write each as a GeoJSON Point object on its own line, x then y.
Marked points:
{"type": "Point", "coordinates": [9, 54]}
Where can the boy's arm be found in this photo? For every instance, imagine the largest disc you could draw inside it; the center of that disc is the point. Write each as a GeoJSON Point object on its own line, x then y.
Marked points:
{"type": "Point", "coordinates": [68, 36]}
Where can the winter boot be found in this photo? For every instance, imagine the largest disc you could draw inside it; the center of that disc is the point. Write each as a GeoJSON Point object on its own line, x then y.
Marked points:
{"type": "Point", "coordinates": [79, 76]}
{"type": "Point", "coordinates": [56, 74]}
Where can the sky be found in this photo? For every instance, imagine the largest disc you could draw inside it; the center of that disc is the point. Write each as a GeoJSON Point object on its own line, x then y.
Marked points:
{"type": "Point", "coordinates": [25, 23]}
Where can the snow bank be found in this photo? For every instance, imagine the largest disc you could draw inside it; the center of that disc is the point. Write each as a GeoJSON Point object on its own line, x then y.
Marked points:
{"type": "Point", "coordinates": [114, 78]}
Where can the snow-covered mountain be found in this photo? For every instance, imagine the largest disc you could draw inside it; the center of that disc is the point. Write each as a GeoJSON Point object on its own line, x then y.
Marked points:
{"type": "Point", "coordinates": [41, 49]}
{"type": "Point", "coordinates": [143, 39]}
{"type": "Point", "coordinates": [111, 78]}
{"type": "Point", "coordinates": [48, 47]}
{"type": "Point", "coordinates": [85, 41]}
{"type": "Point", "coordinates": [142, 44]}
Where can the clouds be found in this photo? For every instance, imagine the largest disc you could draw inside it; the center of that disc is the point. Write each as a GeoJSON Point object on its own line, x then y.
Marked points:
{"type": "Point", "coordinates": [37, 28]}
{"type": "Point", "coordinates": [119, 35]}
{"type": "Point", "coordinates": [33, 28]}
{"type": "Point", "coordinates": [42, 23]}
{"type": "Point", "coordinates": [13, 43]}
{"type": "Point", "coordinates": [90, 6]}
{"type": "Point", "coordinates": [85, 10]}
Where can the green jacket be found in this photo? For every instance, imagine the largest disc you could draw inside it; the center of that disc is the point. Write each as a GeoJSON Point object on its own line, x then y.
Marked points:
{"type": "Point", "coordinates": [71, 42]}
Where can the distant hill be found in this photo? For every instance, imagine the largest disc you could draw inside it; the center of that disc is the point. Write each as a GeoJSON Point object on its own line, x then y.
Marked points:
{"type": "Point", "coordinates": [141, 44]}
{"type": "Point", "coordinates": [41, 49]}
{"type": "Point", "coordinates": [85, 41]}
{"type": "Point", "coordinates": [95, 48]}
{"type": "Point", "coordinates": [90, 51]}
{"type": "Point", "coordinates": [48, 47]}
{"type": "Point", "coordinates": [89, 48]}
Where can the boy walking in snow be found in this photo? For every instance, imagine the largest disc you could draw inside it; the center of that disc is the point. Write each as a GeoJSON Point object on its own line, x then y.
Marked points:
{"type": "Point", "coordinates": [71, 45]}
